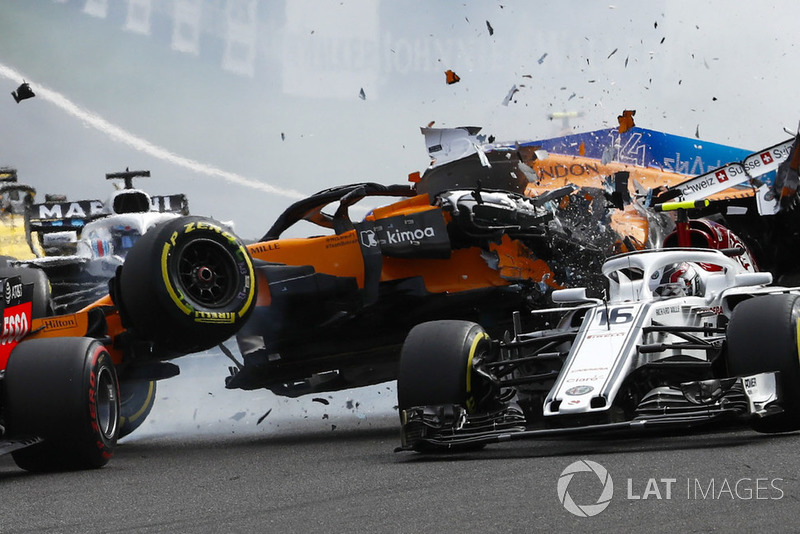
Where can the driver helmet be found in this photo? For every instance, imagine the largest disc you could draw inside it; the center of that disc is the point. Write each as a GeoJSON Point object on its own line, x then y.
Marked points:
{"type": "Point", "coordinates": [678, 280]}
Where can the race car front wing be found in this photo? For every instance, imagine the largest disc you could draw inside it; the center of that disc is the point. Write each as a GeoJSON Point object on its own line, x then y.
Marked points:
{"type": "Point", "coordinates": [442, 427]}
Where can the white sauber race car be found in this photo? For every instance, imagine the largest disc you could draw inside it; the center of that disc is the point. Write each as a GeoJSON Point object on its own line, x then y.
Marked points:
{"type": "Point", "coordinates": [685, 337]}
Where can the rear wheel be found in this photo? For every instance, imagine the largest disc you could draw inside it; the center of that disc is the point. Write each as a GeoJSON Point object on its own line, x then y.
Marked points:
{"type": "Point", "coordinates": [65, 391]}
{"type": "Point", "coordinates": [136, 400]}
{"type": "Point", "coordinates": [763, 337]}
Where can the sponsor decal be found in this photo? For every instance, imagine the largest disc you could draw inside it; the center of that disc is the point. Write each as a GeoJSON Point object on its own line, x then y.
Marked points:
{"type": "Point", "coordinates": [60, 323]}
{"type": "Point", "coordinates": [579, 390]}
{"type": "Point", "coordinates": [16, 325]}
{"type": "Point", "coordinates": [419, 235]}
{"type": "Point", "coordinates": [214, 317]}
{"type": "Point", "coordinates": [263, 247]}
{"type": "Point", "coordinates": [12, 290]}
{"type": "Point", "coordinates": [575, 169]}
{"type": "Point", "coordinates": [721, 175]}
{"type": "Point", "coordinates": [409, 236]}
{"type": "Point", "coordinates": [368, 238]}
{"type": "Point", "coordinates": [69, 210]}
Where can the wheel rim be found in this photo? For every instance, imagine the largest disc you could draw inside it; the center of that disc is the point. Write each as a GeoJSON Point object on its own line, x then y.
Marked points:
{"type": "Point", "coordinates": [107, 406]}
{"type": "Point", "coordinates": [207, 273]}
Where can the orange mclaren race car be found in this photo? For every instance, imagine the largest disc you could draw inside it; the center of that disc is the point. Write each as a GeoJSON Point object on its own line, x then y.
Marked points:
{"type": "Point", "coordinates": [488, 229]}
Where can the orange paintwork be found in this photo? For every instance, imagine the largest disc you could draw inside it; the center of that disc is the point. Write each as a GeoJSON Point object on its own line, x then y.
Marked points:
{"type": "Point", "coordinates": [466, 269]}
{"type": "Point", "coordinates": [557, 170]}
{"type": "Point", "coordinates": [338, 255]}
{"type": "Point", "coordinates": [517, 263]}
{"type": "Point", "coordinates": [406, 206]}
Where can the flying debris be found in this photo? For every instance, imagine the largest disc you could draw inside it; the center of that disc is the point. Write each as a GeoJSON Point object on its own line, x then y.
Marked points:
{"type": "Point", "coordinates": [510, 94]}
{"type": "Point", "coordinates": [541, 59]}
{"type": "Point", "coordinates": [320, 400]}
{"type": "Point", "coordinates": [612, 53]}
{"type": "Point", "coordinates": [362, 95]}
{"type": "Point", "coordinates": [263, 416]}
{"type": "Point", "coordinates": [451, 77]}
{"type": "Point", "coordinates": [489, 27]}
{"type": "Point", "coordinates": [23, 92]}
{"type": "Point", "coordinates": [626, 120]}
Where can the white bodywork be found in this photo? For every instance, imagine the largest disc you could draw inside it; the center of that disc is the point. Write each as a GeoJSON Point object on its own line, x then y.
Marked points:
{"type": "Point", "coordinates": [607, 347]}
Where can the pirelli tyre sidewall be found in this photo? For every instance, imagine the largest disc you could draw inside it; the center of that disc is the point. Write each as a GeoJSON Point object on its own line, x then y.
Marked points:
{"type": "Point", "coordinates": [65, 391]}
{"type": "Point", "coordinates": [186, 285]}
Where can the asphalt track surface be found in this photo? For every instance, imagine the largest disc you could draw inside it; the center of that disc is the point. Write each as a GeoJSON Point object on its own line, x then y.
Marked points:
{"type": "Point", "coordinates": [316, 467]}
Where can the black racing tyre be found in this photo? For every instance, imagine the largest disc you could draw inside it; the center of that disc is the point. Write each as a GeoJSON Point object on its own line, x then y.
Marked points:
{"type": "Point", "coordinates": [436, 364]}
{"type": "Point", "coordinates": [65, 391]}
{"type": "Point", "coordinates": [763, 337]}
{"type": "Point", "coordinates": [136, 400]}
{"type": "Point", "coordinates": [186, 285]}
{"type": "Point", "coordinates": [42, 304]}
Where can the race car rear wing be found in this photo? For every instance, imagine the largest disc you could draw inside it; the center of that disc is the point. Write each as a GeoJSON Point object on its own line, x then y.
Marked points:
{"type": "Point", "coordinates": [60, 216]}
{"type": "Point", "coordinates": [782, 159]}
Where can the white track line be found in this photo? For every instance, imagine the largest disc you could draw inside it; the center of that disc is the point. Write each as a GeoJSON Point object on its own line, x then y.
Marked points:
{"type": "Point", "coordinates": [120, 135]}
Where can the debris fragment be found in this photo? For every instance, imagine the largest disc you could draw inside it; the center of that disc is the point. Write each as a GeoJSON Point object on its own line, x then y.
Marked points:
{"type": "Point", "coordinates": [787, 180]}
{"type": "Point", "coordinates": [697, 132]}
{"type": "Point", "coordinates": [362, 95]}
{"type": "Point", "coordinates": [541, 59]}
{"type": "Point", "coordinates": [23, 92]}
{"type": "Point", "coordinates": [263, 416]}
{"type": "Point", "coordinates": [320, 400]}
{"type": "Point", "coordinates": [510, 95]}
{"type": "Point", "coordinates": [626, 120]}
{"type": "Point", "coordinates": [612, 53]}
{"type": "Point", "coordinates": [451, 77]}
{"type": "Point", "coordinates": [238, 416]}
{"type": "Point", "coordinates": [283, 136]}
{"type": "Point", "coordinates": [489, 27]}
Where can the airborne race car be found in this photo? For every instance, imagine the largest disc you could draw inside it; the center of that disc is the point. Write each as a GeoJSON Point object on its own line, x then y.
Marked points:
{"type": "Point", "coordinates": [686, 337]}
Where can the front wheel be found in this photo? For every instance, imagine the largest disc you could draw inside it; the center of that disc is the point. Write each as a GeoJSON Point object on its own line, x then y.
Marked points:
{"type": "Point", "coordinates": [65, 391]}
{"type": "Point", "coordinates": [186, 285]}
{"type": "Point", "coordinates": [437, 365]}
{"type": "Point", "coordinates": [763, 337]}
